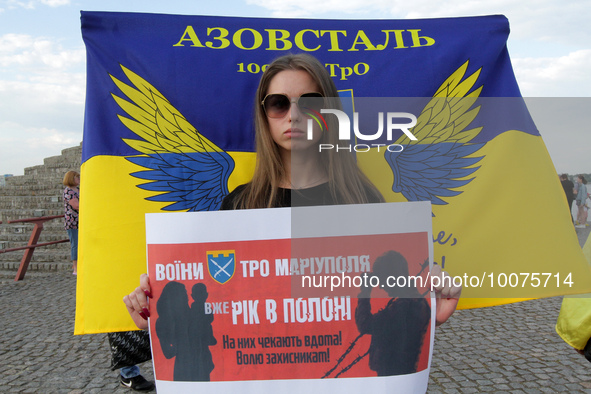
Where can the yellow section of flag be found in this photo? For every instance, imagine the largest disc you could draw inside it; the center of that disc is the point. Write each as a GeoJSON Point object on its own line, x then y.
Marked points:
{"type": "Point", "coordinates": [113, 241]}
{"type": "Point", "coordinates": [509, 228]}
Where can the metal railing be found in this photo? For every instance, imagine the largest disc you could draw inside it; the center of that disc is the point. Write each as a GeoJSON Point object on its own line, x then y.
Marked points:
{"type": "Point", "coordinates": [32, 244]}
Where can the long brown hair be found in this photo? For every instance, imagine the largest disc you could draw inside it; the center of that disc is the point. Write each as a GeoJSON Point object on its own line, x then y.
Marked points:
{"type": "Point", "coordinates": [348, 185]}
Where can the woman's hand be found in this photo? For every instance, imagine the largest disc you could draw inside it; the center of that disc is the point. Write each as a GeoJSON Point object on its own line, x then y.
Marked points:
{"type": "Point", "coordinates": [137, 302]}
{"type": "Point", "coordinates": [447, 294]}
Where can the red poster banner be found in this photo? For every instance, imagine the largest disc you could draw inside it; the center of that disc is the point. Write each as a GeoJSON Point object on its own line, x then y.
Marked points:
{"type": "Point", "coordinates": [276, 309]}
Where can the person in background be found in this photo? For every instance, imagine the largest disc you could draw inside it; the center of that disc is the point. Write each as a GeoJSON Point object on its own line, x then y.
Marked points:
{"type": "Point", "coordinates": [581, 201]}
{"type": "Point", "coordinates": [71, 205]}
{"type": "Point", "coordinates": [569, 191]}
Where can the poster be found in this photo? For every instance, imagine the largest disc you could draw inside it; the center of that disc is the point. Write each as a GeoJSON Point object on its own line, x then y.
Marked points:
{"type": "Point", "coordinates": [249, 300]}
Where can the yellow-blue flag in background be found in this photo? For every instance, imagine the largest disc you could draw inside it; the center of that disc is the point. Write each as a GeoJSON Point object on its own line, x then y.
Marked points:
{"type": "Point", "coordinates": [169, 127]}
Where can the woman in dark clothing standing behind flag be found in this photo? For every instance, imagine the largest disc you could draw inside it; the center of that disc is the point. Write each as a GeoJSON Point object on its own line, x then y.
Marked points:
{"type": "Point", "coordinates": [569, 191]}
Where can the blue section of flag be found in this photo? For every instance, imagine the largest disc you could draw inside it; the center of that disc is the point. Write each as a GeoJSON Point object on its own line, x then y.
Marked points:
{"type": "Point", "coordinates": [426, 172]}
{"type": "Point", "coordinates": [213, 84]}
{"type": "Point", "coordinates": [192, 181]}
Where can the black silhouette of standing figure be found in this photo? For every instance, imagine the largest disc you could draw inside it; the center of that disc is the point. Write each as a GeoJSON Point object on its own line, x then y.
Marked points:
{"type": "Point", "coordinates": [397, 331]}
{"type": "Point", "coordinates": [203, 333]}
{"type": "Point", "coordinates": [185, 333]}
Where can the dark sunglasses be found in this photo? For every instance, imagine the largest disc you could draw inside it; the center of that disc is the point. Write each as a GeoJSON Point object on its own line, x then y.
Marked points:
{"type": "Point", "coordinates": [277, 105]}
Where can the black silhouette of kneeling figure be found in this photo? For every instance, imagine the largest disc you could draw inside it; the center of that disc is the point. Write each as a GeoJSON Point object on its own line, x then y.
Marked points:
{"type": "Point", "coordinates": [397, 331]}
{"type": "Point", "coordinates": [185, 333]}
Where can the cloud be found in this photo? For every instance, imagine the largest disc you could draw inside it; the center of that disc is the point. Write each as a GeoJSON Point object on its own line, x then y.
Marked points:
{"type": "Point", "coordinates": [55, 3]}
{"type": "Point", "coordinates": [34, 52]}
{"type": "Point", "coordinates": [554, 76]}
{"type": "Point", "coordinates": [42, 88]}
{"type": "Point", "coordinates": [40, 71]}
{"type": "Point", "coordinates": [66, 89]}
{"type": "Point", "coordinates": [12, 4]}
{"type": "Point", "coordinates": [22, 147]}
{"type": "Point", "coordinates": [563, 124]}
{"type": "Point", "coordinates": [38, 120]}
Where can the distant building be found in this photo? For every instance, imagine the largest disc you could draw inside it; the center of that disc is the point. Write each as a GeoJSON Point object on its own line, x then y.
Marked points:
{"type": "Point", "coordinates": [3, 179]}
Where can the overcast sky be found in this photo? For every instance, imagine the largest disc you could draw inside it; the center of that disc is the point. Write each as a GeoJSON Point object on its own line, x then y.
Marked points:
{"type": "Point", "coordinates": [42, 63]}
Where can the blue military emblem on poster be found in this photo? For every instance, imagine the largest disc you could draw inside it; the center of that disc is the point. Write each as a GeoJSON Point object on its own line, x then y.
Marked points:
{"type": "Point", "coordinates": [221, 265]}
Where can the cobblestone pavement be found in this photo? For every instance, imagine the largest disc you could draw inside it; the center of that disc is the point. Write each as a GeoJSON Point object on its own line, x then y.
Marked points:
{"type": "Point", "coordinates": [508, 348]}
{"type": "Point", "coordinates": [38, 351]}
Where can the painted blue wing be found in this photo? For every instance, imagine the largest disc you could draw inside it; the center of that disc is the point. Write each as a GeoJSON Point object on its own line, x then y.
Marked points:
{"type": "Point", "coordinates": [426, 172]}
{"type": "Point", "coordinates": [194, 181]}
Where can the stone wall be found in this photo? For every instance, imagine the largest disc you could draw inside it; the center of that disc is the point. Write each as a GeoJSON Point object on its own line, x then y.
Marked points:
{"type": "Point", "coordinates": [37, 193]}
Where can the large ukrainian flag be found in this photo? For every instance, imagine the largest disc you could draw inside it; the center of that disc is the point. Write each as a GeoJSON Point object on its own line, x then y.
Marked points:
{"type": "Point", "coordinates": [168, 127]}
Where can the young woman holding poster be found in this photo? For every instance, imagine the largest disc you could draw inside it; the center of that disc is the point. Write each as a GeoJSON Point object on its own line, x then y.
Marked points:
{"type": "Point", "coordinates": [290, 170]}
{"type": "Point", "coordinates": [289, 164]}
